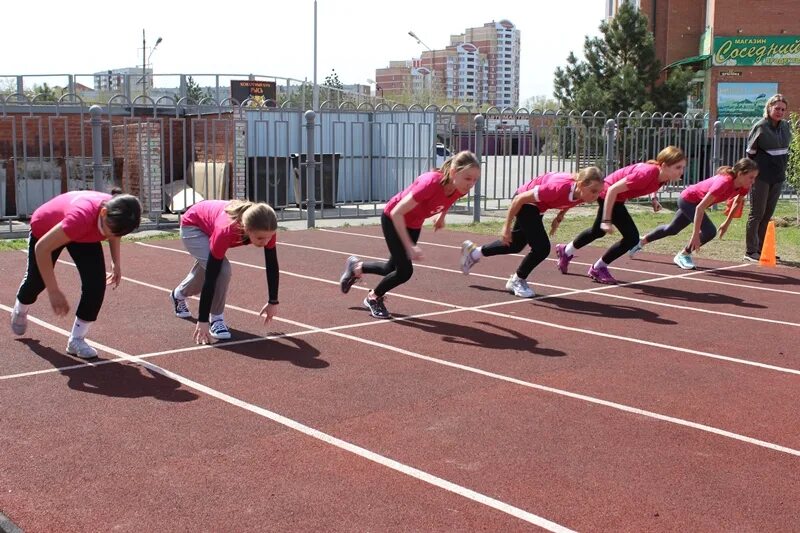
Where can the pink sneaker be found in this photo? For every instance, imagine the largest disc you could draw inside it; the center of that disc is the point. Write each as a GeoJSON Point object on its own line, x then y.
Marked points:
{"type": "Point", "coordinates": [602, 275]}
{"type": "Point", "coordinates": [563, 258]}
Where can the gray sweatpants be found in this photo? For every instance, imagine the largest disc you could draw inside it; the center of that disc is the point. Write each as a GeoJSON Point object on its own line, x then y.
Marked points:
{"type": "Point", "coordinates": [197, 243]}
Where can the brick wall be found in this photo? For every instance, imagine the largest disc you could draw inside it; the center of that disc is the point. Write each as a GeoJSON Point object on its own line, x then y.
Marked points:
{"type": "Point", "coordinates": [142, 152]}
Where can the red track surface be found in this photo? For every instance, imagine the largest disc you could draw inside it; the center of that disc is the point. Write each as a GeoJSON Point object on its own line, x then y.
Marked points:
{"type": "Point", "coordinates": [666, 404]}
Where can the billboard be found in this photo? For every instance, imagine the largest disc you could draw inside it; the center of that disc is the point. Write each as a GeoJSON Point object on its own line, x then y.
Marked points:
{"type": "Point", "coordinates": [757, 50]}
{"type": "Point", "coordinates": [743, 101]}
{"type": "Point", "coordinates": [258, 90]}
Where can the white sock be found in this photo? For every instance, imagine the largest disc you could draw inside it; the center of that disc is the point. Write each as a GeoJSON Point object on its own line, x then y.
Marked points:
{"type": "Point", "coordinates": [600, 264]}
{"type": "Point", "coordinates": [570, 249]}
{"type": "Point", "coordinates": [20, 307]}
{"type": "Point", "coordinates": [80, 328]}
{"type": "Point", "coordinates": [213, 318]}
{"type": "Point", "coordinates": [477, 253]}
{"type": "Point", "coordinates": [178, 294]}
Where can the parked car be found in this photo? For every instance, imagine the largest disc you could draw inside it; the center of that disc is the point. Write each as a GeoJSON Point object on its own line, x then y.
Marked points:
{"type": "Point", "coordinates": [442, 155]}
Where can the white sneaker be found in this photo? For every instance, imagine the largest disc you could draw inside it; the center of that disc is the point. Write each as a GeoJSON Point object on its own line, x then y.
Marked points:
{"type": "Point", "coordinates": [80, 348]}
{"type": "Point", "coordinates": [181, 309]}
{"type": "Point", "coordinates": [636, 249]}
{"type": "Point", "coordinates": [684, 261]}
{"type": "Point", "coordinates": [19, 322]}
{"type": "Point", "coordinates": [519, 287]}
{"type": "Point", "coordinates": [467, 261]}
{"type": "Point", "coordinates": [219, 330]}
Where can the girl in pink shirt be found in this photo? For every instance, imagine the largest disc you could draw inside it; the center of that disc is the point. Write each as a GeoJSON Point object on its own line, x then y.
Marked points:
{"type": "Point", "coordinates": [78, 221]}
{"type": "Point", "coordinates": [208, 229]}
{"type": "Point", "coordinates": [629, 182]}
{"type": "Point", "coordinates": [555, 190]}
{"type": "Point", "coordinates": [729, 182]}
{"type": "Point", "coordinates": [431, 194]}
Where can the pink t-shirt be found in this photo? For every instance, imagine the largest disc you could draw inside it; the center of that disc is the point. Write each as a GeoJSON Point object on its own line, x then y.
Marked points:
{"type": "Point", "coordinates": [554, 190]}
{"type": "Point", "coordinates": [209, 216]}
{"type": "Point", "coordinates": [77, 211]}
{"type": "Point", "coordinates": [720, 186]}
{"type": "Point", "coordinates": [641, 178]}
{"type": "Point", "coordinates": [430, 197]}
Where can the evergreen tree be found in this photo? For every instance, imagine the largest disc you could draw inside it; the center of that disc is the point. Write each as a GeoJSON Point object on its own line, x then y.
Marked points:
{"type": "Point", "coordinates": [195, 93]}
{"type": "Point", "coordinates": [621, 72]}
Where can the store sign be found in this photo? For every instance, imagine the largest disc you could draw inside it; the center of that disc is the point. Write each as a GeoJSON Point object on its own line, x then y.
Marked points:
{"type": "Point", "coordinates": [761, 51]}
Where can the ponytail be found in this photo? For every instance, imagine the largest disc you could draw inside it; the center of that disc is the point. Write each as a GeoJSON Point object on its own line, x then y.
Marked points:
{"type": "Point", "coordinates": [457, 163]}
{"type": "Point", "coordinates": [252, 216]}
{"type": "Point", "coordinates": [588, 175]}
{"type": "Point", "coordinates": [669, 156]}
{"type": "Point", "coordinates": [743, 165]}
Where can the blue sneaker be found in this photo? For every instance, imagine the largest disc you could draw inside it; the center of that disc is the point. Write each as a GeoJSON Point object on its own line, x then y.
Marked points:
{"type": "Point", "coordinates": [684, 261]}
{"type": "Point", "coordinates": [636, 249]}
{"type": "Point", "coordinates": [467, 262]}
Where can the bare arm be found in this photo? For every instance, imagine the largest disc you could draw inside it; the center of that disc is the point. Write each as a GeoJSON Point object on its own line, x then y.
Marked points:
{"type": "Point", "coordinates": [398, 219]}
{"type": "Point", "coordinates": [116, 266]}
{"type": "Point", "coordinates": [528, 197]}
{"type": "Point", "coordinates": [723, 228]}
{"type": "Point", "coordinates": [699, 212]}
{"type": "Point", "coordinates": [611, 197]}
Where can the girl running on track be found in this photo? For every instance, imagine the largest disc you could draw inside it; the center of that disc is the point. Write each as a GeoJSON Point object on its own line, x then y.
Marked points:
{"type": "Point", "coordinates": [78, 221]}
{"type": "Point", "coordinates": [208, 229]}
{"type": "Point", "coordinates": [554, 190]}
{"type": "Point", "coordinates": [729, 182]}
{"type": "Point", "coordinates": [430, 194]}
{"type": "Point", "coordinates": [632, 181]}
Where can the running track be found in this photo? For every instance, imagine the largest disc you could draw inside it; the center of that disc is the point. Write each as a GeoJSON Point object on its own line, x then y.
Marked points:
{"type": "Point", "coordinates": [668, 403]}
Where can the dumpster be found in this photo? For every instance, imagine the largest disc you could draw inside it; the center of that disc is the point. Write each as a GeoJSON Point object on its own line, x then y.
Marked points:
{"type": "Point", "coordinates": [267, 180]}
{"type": "Point", "coordinates": [327, 178]}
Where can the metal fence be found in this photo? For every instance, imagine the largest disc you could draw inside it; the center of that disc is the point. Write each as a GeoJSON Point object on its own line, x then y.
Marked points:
{"type": "Point", "coordinates": [342, 161]}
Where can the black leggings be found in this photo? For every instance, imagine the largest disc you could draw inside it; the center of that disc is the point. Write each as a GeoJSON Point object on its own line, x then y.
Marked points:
{"type": "Point", "coordinates": [398, 268]}
{"type": "Point", "coordinates": [622, 221]}
{"type": "Point", "coordinates": [528, 230]}
{"type": "Point", "coordinates": [91, 264]}
{"type": "Point", "coordinates": [683, 217]}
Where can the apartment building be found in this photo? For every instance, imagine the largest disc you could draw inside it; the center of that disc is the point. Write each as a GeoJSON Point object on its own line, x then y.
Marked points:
{"type": "Point", "coordinates": [479, 66]}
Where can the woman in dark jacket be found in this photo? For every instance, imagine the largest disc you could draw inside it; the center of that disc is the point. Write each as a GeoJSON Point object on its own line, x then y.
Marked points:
{"type": "Point", "coordinates": [768, 144]}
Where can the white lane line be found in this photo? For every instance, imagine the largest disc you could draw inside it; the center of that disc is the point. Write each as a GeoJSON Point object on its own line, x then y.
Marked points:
{"type": "Point", "coordinates": [520, 301]}
{"type": "Point", "coordinates": [574, 262]}
{"type": "Point", "coordinates": [501, 377]}
{"type": "Point", "coordinates": [602, 290]}
{"type": "Point", "coordinates": [382, 460]}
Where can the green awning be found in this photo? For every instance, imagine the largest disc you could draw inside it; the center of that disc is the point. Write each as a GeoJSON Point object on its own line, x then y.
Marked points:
{"type": "Point", "coordinates": [688, 61]}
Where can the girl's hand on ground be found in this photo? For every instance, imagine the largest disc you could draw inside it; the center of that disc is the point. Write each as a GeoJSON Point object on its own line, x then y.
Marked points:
{"type": "Point", "coordinates": [58, 302]}
{"type": "Point", "coordinates": [723, 229]}
{"type": "Point", "coordinates": [607, 227]}
{"type": "Point", "coordinates": [439, 224]}
{"type": "Point", "coordinates": [694, 244]}
{"type": "Point", "coordinates": [201, 335]}
{"type": "Point", "coordinates": [114, 277]}
{"type": "Point", "coordinates": [268, 312]}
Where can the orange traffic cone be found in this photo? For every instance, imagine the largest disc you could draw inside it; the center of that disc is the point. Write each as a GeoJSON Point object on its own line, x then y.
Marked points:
{"type": "Point", "coordinates": [768, 248]}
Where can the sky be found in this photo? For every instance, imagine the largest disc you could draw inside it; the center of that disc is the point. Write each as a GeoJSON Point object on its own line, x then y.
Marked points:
{"type": "Point", "coordinates": [354, 37]}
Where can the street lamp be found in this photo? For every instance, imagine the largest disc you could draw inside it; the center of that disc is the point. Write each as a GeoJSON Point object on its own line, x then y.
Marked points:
{"type": "Point", "coordinates": [146, 59]}
{"type": "Point", "coordinates": [433, 61]}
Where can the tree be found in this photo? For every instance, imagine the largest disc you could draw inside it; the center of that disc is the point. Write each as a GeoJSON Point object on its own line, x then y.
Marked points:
{"type": "Point", "coordinates": [621, 72]}
{"type": "Point", "coordinates": [195, 93]}
{"type": "Point", "coordinates": [45, 93]}
{"type": "Point", "coordinates": [793, 168]}
{"type": "Point", "coordinates": [333, 89]}
{"type": "Point", "coordinates": [540, 102]}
